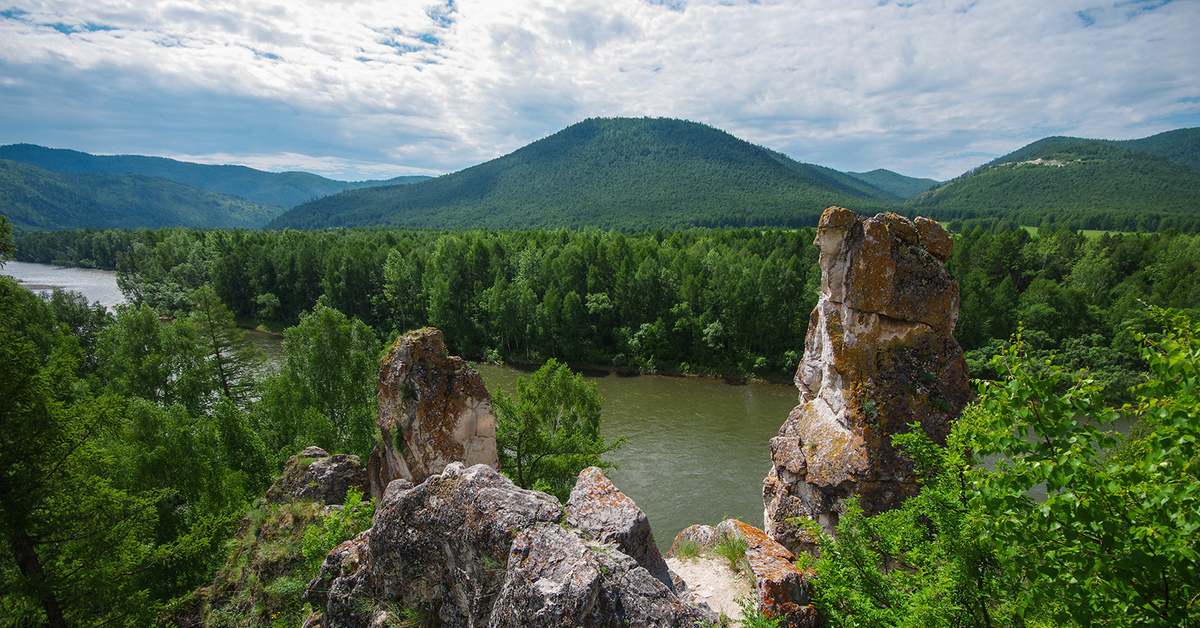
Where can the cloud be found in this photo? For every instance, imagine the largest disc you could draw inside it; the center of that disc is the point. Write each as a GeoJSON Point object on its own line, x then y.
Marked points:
{"type": "Point", "coordinates": [927, 88]}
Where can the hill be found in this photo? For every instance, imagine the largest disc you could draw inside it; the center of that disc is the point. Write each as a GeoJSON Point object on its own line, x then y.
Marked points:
{"type": "Point", "coordinates": [894, 183]}
{"type": "Point", "coordinates": [35, 198]}
{"type": "Point", "coordinates": [1074, 184]}
{"type": "Point", "coordinates": [285, 189]}
{"type": "Point", "coordinates": [621, 173]}
{"type": "Point", "coordinates": [1181, 146]}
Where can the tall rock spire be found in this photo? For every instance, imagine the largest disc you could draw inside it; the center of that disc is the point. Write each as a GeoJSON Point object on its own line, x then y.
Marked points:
{"type": "Point", "coordinates": [879, 355]}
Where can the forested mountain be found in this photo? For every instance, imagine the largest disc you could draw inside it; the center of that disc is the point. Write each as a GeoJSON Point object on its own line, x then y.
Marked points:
{"type": "Point", "coordinates": [1180, 145]}
{"type": "Point", "coordinates": [623, 173]}
{"type": "Point", "coordinates": [285, 189]}
{"type": "Point", "coordinates": [1059, 182]}
{"type": "Point", "coordinates": [894, 183]}
{"type": "Point", "coordinates": [34, 198]}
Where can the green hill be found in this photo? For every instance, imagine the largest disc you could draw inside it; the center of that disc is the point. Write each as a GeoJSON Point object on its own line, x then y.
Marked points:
{"type": "Point", "coordinates": [620, 173]}
{"type": "Point", "coordinates": [285, 189]}
{"type": "Point", "coordinates": [1077, 184]}
{"type": "Point", "coordinates": [34, 198]}
{"type": "Point", "coordinates": [1180, 145]}
{"type": "Point", "coordinates": [894, 183]}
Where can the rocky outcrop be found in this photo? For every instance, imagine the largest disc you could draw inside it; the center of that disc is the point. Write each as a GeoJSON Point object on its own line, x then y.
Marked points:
{"type": "Point", "coordinates": [314, 475]}
{"type": "Point", "coordinates": [783, 592]}
{"type": "Point", "coordinates": [470, 547]}
{"type": "Point", "coordinates": [879, 355]}
{"type": "Point", "coordinates": [607, 516]}
{"type": "Point", "coordinates": [433, 410]}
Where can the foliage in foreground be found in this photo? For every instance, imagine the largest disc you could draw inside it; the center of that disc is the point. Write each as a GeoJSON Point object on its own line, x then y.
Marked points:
{"type": "Point", "coordinates": [550, 430]}
{"type": "Point", "coordinates": [1115, 542]}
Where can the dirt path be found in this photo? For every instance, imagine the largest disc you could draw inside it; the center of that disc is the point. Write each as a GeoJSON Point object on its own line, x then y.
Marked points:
{"type": "Point", "coordinates": [711, 580]}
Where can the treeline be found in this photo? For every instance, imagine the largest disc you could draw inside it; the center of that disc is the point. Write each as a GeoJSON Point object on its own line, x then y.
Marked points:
{"type": "Point", "coordinates": [696, 300]}
{"type": "Point", "coordinates": [703, 301]}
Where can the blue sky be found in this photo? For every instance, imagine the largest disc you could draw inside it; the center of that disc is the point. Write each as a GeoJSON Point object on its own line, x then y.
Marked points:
{"type": "Point", "coordinates": [378, 88]}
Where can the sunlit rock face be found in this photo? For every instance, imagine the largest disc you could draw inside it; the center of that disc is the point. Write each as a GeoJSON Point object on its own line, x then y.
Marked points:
{"type": "Point", "coordinates": [433, 410]}
{"type": "Point", "coordinates": [879, 355]}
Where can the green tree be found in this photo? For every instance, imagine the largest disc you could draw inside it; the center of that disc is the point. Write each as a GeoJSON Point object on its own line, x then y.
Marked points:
{"type": "Point", "coordinates": [8, 248]}
{"type": "Point", "coordinates": [550, 430]}
{"type": "Point", "coordinates": [72, 537]}
{"type": "Point", "coordinates": [230, 360]}
{"type": "Point", "coordinates": [326, 393]}
{"type": "Point", "coordinates": [1114, 542]}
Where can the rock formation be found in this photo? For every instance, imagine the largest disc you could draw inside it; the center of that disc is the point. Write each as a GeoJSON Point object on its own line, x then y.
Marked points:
{"type": "Point", "coordinates": [472, 548]}
{"type": "Point", "coordinates": [265, 553]}
{"type": "Point", "coordinates": [783, 591]}
{"type": "Point", "coordinates": [879, 355]}
{"type": "Point", "coordinates": [433, 410]}
{"type": "Point", "coordinates": [314, 475]}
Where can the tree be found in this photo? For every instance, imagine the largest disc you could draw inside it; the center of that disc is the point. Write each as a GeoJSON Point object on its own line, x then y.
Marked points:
{"type": "Point", "coordinates": [231, 361]}
{"type": "Point", "coordinates": [8, 249]}
{"type": "Point", "coordinates": [1114, 542]}
{"type": "Point", "coordinates": [550, 431]}
{"type": "Point", "coordinates": [71, 537]}
{"type": "Point", "coordinates": [326, 393]}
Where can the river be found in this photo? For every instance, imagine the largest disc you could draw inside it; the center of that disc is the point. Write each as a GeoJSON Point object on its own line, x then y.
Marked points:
{"type": "Point", "coordinates": [696, 450]}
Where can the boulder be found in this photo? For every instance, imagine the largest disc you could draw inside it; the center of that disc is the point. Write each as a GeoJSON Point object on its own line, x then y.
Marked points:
{"type": "Point", "coordinates": [433, 410]}
{"type": "Point", "coordinates": [606, 515]}
{"type": "Point", "coordinates": [879, 355]}
{"type": "Point", "coordinates": [314, 475]}
{"type": "Point", "coordinates": [471, 547]}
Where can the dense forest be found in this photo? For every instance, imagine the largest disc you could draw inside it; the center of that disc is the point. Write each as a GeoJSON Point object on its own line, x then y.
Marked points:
{"type": "Point", "coordinates": [136, 443]}
{"type": "Point", "coordinates": [703, 301]}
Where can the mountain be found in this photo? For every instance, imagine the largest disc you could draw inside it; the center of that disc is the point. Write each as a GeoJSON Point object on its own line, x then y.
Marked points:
{"type": "Point", "coordinates": [1181, 146]}
{"type": "Point", "coordinates": [35, 198]}
{"type": "Point", "coordinates": [285, 189]}
{"type": "Point", "coordinates": [1077, 183]}
{"type": "Point", "coordinates": [894, 183]}
{"type": "Point", "coordinates": [620, 173]}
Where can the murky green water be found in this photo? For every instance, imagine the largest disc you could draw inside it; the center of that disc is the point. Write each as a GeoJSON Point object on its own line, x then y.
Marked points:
{"type": "Point", "coordinates": [697, 450]}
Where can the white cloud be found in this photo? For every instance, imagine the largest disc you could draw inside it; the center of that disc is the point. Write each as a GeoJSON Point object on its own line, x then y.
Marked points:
{"type": "Point", "coordinates": [925, 88]}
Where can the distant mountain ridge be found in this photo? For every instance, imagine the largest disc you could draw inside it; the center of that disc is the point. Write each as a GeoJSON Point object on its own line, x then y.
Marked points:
{"type": "Point", "coordinates": [36, 198]}
{"type": "Point", "coordinates": [622, 173]}
{"type": "Point", "coordinates": [894, 183]}
{"type": "Point", "coordinates": [285, 189]}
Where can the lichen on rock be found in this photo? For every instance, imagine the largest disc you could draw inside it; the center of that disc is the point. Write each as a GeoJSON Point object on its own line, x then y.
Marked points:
{"type": "Point", "coordinates": [879, 355]}
{"type": "Point", "coordinates": [433, 410]}
{"type": "Point", "coordinates": [472, 548]}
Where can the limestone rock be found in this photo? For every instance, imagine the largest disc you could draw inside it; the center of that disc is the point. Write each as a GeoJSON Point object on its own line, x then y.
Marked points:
{"type": "Point", "coordinates": [433, 410]}
{"type": "Point", "coordinates": [316, 476]}
{"type": "Point", "coordinates": [879, 355]}
{"type": "Point", "coordinates": [474, 549]}
{"type": "Point", "coordinates": [606, 515]}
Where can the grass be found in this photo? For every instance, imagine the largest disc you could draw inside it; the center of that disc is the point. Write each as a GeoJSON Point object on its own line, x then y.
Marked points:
{"type": "Point", "coordinates": [688, 548]}
{"type": "Point", "coordinates": [732, 547]}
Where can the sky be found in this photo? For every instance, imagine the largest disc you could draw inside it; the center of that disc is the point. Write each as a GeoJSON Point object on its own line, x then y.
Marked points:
{"type": "Point", "coordinates": [370, 89]}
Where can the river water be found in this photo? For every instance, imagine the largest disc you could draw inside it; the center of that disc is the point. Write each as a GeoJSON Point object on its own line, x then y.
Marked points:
{"type": "Point", "coordinates": [696, 450]}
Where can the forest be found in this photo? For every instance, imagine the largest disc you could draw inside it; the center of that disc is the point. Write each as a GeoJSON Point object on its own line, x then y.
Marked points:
{"type": "Point", "coordinates": [135, 442]}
